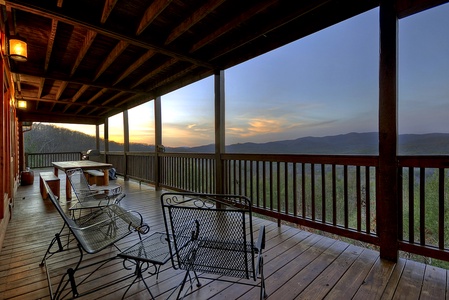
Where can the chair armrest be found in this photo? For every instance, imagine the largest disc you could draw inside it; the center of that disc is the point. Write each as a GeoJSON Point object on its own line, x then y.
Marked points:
{"type": "Point", "coordinates": [133, 218]}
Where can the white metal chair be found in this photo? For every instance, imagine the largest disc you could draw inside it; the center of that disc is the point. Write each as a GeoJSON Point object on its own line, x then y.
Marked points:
{"type": "Point", "coordinates": [92, 196]}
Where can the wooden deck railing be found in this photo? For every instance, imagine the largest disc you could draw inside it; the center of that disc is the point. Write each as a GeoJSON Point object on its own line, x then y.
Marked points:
{"type": "Point", "coordinates": [332, 193]}
{"type": "Point", "coordinates": [424, 205]}
{"type": "Point", "coordinates": [335, 194]}
{"type": "Point", "coordinates": [44, 160]}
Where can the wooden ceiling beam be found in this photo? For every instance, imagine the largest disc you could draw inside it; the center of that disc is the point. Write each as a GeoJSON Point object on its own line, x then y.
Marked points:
{"type": "Point", "coordinates": [115, 53]}
{"type": "Point", "coordinates": [61, 89]}
{"type": "Point", "coordinates": [308, 7]}
{"type": "Point", "coordinates": [34, 99]}
{"type": "Point", "coordinates": [88, 40]}
{"type": "Point", "coordinates": [155, 71]}
{"type": "Point", "coordinates": [76, 96]}
{"type": "Point", "coordinates": [114, 97]}
{"type": "Point", "coordinates": [167, 80]}
{"type": "Point", "coordinates": [194, 18]}
{"type": "Point", "coordinates": [243, 17]}
{"type": "Point", "coordinates": [18, 70]}
{"type": "Point", "coordinates": [97, 95]}
{"type": "Point", "coordinates": [151, 13]}
{"type": "Point", "coordinates": [25, 116]}
{"type": "Point", "coordinates": [107, 9]}
{"type": "Point", "coordinates": [407, 8]}
{"type": "Point", "coordinates": [135, 65]}
{"type": "Point", "coordinates": [45, 11]}
{"type": "Point", "coordinates": [51, 41]}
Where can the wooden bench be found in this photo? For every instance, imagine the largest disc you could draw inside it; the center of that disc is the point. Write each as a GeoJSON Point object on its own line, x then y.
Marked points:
{"type": "Point", "coordinates": [53, 182]}
{"type": "Point", "coordinates": [94, 177]}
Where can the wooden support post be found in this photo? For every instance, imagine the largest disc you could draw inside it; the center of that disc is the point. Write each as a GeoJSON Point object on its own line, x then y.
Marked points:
{"type": "Point", "coordinates": [126, 141]}
{"type": "Point", "coordinates": [97, 137]}
{"type": "Point", "coordinates": [158, 141]}
{"type": "Point", "coordinates": [219, 87]}
{"type": "Point", "coordinates": [387, 185]}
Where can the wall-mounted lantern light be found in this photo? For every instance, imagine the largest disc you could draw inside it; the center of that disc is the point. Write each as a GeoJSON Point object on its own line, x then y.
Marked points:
{"type": "Point", "coordinates": [18, 48]}
{"type": "Point", "coordinates": [21, 104]}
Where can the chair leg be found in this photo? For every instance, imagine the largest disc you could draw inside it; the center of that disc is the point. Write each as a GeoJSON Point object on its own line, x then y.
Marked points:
{"type": "Point", "coordinates": [56, 239]}
{"type": "Point", "coordinates": [263, 292]}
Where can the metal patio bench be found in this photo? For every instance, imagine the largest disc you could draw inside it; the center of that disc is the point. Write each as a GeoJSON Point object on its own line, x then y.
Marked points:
{"type": "Point", "coordinates": [93, 232]}
{"type": "Point", "coordinates": [212, 234]}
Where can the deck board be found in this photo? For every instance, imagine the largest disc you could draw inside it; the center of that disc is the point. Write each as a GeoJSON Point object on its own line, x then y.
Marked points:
{"type": "Point", "coordinates": [297, 264]}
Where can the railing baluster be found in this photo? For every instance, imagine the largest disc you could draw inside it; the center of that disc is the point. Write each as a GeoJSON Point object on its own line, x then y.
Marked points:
{"type": "Point", "coordinates": [441, 208]}
{"type": "Point", "coordinates": [334, 195]}
{"type": "Point", "coordinates": [295, 190]}
{"type": "Point", "coordinates": [367, 199]}
{"type": "Point", "coordinates": [422, 206]}
{"type": "Point", "coordinates": [323, 193]}
{"type": "Point", "coordinates": [346, 208]}
{"type": "Point", "coordinates": [358, 199]}
{"type": "Point", "coordinates": [312, 186]}
{"type": "Point", "coordinates": [411, 204]}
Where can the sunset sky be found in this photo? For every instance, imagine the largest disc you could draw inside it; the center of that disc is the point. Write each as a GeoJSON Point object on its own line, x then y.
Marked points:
{"type": "Point", "coordinates": [324, 84]}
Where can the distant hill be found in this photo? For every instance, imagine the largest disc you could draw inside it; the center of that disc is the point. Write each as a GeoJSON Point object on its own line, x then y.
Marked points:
{"type": "Point", "coordinates": [350, 143]}
{"type": "Point", "coordinates": [48, 138]}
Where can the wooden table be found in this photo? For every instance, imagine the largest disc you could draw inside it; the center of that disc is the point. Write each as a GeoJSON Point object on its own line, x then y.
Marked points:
{"type": "Point", "coordinates": [84, 165]}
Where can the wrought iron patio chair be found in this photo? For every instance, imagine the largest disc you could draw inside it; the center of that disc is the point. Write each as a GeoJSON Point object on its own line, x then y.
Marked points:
{"type": "Point", "coordinates": [92, 196]}
{"type": "Point", "coordinates": [212, 234]}
{"type": "Point", "coordinates": [92, 235]}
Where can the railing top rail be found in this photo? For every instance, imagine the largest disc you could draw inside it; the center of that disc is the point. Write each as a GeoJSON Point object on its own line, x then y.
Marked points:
{"type": "Point", "coordinates": [424, 161]}
{"type": "Point", "coordinates": [353, 160]}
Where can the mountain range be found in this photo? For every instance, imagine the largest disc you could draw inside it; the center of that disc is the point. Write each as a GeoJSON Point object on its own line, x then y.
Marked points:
{"type": "Point", "coordinates": [350, 143]}
{"type": "Point", "coordinates": [49, 138]}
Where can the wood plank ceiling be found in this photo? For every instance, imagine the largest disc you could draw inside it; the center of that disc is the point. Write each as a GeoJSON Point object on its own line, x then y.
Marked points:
{"type": "Point", "coordinates": [91, 59]}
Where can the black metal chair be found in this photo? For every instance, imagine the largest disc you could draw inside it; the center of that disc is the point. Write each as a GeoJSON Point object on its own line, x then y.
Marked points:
{"type": "Point", "coordinates": [212, 234]}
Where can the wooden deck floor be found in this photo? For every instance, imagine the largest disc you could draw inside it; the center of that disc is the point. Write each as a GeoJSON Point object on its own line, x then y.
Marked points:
{"type": "Point", "coordinates": [298, 264]}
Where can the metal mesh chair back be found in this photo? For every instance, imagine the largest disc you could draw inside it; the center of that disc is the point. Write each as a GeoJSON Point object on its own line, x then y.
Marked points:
{"type": "Point", "coordinates": [211, 234]}
{"type": "Point", "coordinates": [89, 197]}
{"type": "Point", "coordinates": [79, 182]}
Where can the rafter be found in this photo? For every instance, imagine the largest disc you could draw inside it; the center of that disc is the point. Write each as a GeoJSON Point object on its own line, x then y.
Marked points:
{"type": "Point", "coordinates": [51, 41]}
{"type": "Point", "coordinates": [151, 13]}
{"type": "Point", "coordinates": [121, 46]}
{"type": "Point", "coordinates": [118, 95]}
{"type": "Point", "coordinates": [41, 87]}
{"type": "Point", "coordinates": [97, 95]}
{"type": "Point", "coordinates": [197, 16]}
{"type": "Point", "coordinates": [172, 78]}
{"type": "Point", "coordinates": [49, 13]}
{"type": "Point", "coordinates": [90, 36]}
{"type": "Point", "coordinates": [135, 65]}
{"type": "Point", "coordinates": [155, 71]}
{"type": "Point", "coordinates": [263, 30]}
{"type": "Point", "coordinates": [76, 96]}
{"type": "Point", "coordinates": [243, 17]}
{"type": "Point", "coordinates": [59, 102]}
{"type": "Point", "coordinates": [61, 89]}
{"type": "Point", "coordinates": [114, 97]}
{"type": "Point", "coordinates": [107, 9]}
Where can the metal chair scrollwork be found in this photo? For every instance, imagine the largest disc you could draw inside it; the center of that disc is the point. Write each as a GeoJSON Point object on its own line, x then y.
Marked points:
{"type": "Point", "coordinates": [212, 234]}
